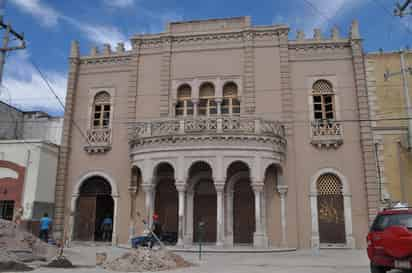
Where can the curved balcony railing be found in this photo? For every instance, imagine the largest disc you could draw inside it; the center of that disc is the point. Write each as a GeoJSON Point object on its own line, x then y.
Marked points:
{"type": "Point", "coordinates": [207, 125]}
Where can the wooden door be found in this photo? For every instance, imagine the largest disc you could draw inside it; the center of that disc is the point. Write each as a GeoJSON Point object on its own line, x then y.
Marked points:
{"type": "Point", "coordinates": [86, 217]}
{"type": "Point", "coordinates": [243, 213]}
{"type": "Point", "coordinates": [205, 209]}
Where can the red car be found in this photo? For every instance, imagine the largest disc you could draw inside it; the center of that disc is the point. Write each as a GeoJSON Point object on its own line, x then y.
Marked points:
{"type": "Point", "coordinates": [390, 240]}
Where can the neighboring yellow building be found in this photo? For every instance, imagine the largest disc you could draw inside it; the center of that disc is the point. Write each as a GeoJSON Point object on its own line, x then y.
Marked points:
{"type": "Point", "coordinates": [389, 108]}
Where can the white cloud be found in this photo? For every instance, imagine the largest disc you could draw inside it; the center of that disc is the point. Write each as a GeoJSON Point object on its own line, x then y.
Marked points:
{"type": "Point", "coordinates": [24, 88]}
{"type": "Point", "coordinates": [47, 15]}
{"type": "Point", "coordinates": [99, 34]}
{"type": "Point", "coordinates": [119, 3]}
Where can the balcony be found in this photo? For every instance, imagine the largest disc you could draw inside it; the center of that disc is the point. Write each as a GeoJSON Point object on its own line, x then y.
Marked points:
{"type": "Point", "coordinates": [225, 130]}
{"type": "Point", "coordinates": [326, 134]}
{"type": "Point", "coordinates": [99, 140]}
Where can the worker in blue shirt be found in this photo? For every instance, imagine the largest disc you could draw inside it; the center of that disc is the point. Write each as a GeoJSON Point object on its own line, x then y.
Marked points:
{"type": "Point", "coordinates": [45, 223]}
{"type": "Point", "coordinates": [107, 227]}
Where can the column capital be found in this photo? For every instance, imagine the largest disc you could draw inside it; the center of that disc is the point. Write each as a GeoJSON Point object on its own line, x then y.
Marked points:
{"type": "Point", "coordinates": [282, 189]}
{"type": "Point", "coordinates": [147, 187]}
{"type": "Point", "coordinates": [258, 186]}
{"type": "Point", "coordinates": [195, 101]}
{"type": "Point", "coordinates": [132, 189]}
{"type": "Point", "coordinates": [219, 100]}
{"type": "Point", "coordinates": [220, 186]}
{"type": "Point", "coordinates": [180, 186]}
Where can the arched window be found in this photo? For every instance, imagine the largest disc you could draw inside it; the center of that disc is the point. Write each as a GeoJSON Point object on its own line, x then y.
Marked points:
{"type": "Point", "coordinates": [184, 105]}
{"type": "Point", "coordinates": [101, 110]}
{"type": "Point", "coordinates": [207, 103]}
{"type": "Point", "coordinates": [230, 103]}
{"type": "Point", "coordinates": [323, 101]}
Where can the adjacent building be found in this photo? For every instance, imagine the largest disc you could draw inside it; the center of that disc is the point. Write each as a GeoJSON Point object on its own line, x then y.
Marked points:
{"type": "Point", "coordinates": [392, 122]}
{"type": "Point", "coordinates": [223, 127]}
{"type": "Point", "coordinates": [29, 147]}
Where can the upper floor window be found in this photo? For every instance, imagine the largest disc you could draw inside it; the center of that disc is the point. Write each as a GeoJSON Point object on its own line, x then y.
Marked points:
{"type": "Point", "coordinates": [323, 100]}
{"type": "Point", "coordinates": [101, 110]}
{"type": "Point", "coordinates": [207, 103]}
{"type": "Point", "coordinates": [184, 105]}
{"type": "Point", "coordinates": [230, 102]}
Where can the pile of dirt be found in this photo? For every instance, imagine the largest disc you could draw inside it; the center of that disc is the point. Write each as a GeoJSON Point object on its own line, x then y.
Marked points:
{"type": "Point", "coordinates": [18, 247]}
{"type": "Point", "coordinates": [146, 259]}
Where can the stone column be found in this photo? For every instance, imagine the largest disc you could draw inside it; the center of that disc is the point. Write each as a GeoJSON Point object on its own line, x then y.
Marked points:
{"type": "Point", "coordinates": [181, 188]}
{"type": "Point", "coordinates": [132, 192]}
{"type": "Point", "coordinates": [258, 236]}
{"type": "Point", "coordinates": [114, 231]}
{"type": "Point", "coordinates": [189, 217]}
{"type": "Point", "coordinates": [219, 105]}
{"type": "Point", "coordinates": [148, 190]}
{"type": "Point", "coordinates": [229, 217]}
{"type": "Point", "coordinates": [195, 104]}
{"type": "Point", "coordinates": [220, 217]}
{"type": "Point", "coordinates": [283, 189]}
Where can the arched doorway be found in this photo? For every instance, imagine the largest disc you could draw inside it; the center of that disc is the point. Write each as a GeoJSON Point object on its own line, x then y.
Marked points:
{"type": "Point", "coordinates": [204, 202]}
{"type": "Point", "coordinates": [331, 215]}
{"type": "Point", "coordinates": [166, 201]}
{"type": "Point", "coordinates": [243, 202]}
{"type": "Point", "coordinates": [94, 204]}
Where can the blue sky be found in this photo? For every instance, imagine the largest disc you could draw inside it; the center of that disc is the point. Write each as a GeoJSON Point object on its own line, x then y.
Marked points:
{"type": "Point", "coordinates": [50, 25]}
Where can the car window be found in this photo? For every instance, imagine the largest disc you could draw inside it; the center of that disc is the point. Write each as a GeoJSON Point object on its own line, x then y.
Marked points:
{"type": "Point", "coordinates": [384, 221]}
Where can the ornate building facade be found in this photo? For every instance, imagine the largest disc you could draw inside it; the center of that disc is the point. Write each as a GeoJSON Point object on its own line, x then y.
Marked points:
{"type": "Point", "coordinates": [225, 123]}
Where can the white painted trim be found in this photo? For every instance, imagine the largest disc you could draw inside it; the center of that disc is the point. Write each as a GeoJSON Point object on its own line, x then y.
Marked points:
{"type": "Point", "coordinates": [347, 202]}
{"type": "Point", "coordinates": [113, 184]}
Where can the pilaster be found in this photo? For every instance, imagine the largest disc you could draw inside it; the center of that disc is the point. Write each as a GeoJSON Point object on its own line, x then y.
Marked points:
{"type": "Point", "coordinates": [248, 100]}
{"type": "Point", "coordinates": [369, 161]}
{"type": "Point", "coordinates": [165, 76]}
{"type": "Point", "coordinates": [64, 155]}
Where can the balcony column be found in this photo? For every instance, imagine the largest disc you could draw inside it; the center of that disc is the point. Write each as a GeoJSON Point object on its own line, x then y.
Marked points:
{"type": "Point", "coordinates": [219, 105]}
{"type": "Point", "coordinates": [181, 189]}
{"type": "Point", "coordinates": [195, 106]}
{"type": "Point", "coordinates": [283, 189]}
{"type": "Point", "coordinates": [220, 217]}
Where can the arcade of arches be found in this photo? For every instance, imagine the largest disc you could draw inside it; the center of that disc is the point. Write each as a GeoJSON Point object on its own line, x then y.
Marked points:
{"type": "Point", "coordinates": [233, 211]}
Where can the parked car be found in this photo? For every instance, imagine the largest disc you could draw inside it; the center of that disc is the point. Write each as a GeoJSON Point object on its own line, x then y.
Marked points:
{"type": "Point", "coordinates": [390, 240]}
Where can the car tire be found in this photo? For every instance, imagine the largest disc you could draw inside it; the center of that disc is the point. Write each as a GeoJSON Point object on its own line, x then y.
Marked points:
{"type": "Point", "coordinates": [377, 269]}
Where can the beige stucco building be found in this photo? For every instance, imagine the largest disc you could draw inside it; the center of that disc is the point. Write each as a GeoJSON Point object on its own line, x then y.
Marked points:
{"type": "Point", "coordinates": [389, 110]}
{"type": "Point", "coordinates": [222, 122]}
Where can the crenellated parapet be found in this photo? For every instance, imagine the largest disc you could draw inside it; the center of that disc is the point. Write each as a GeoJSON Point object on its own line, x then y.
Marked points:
{"type": "Point", "coordinates": [333, 45]}
{"type": "Point", "coordinates": [104, 55]}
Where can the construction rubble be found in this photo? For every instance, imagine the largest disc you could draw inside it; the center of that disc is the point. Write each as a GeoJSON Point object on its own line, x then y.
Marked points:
{"type": "Point", "coordinates": [17, 248]}
{"type": "Point", "coordinates": [146, 259]}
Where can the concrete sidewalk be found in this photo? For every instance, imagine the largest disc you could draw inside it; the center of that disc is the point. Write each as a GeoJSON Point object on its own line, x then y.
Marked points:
{"type": "Point", "coordinates": [304, 261]}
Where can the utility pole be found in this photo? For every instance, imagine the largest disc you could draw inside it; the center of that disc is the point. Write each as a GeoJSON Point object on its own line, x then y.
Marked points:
{"type": "Point", "coordinates": [400, 9]}
{"type": "Point", "coordinates": [9, 34]}
{"type": "Point", "coordinates": [403, 73]}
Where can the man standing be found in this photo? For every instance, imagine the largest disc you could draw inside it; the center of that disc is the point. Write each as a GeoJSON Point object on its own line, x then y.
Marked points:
{"type": "Point", "coordinates": [45, 222]}
{"type": "Point", "coordinates": [107, 227]}
{"type": "Point", "coordinates": [156, 229]}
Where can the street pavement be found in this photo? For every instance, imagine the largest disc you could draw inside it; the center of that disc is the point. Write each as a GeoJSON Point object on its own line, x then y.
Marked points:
{"type": "Point", "coordinates": [303, 261]}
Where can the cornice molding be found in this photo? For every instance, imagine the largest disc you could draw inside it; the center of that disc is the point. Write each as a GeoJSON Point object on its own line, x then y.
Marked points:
{"type": "Point", "coordinates": [112, 59]}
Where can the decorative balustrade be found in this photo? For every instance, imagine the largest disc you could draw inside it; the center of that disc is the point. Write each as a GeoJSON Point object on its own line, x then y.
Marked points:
{"type": "Point", "coordinates": [327, 133]}
{"type": "Point", "coordinates": [207, 125]}
{"type": "Point", "coordinates": [99, 140]}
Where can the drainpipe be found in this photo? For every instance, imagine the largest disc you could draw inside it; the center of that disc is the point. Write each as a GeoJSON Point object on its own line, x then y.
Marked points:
{"type": "Point", "coordinates": [26, 171]}
{"type": "Point", "coordinates": [404, 71]}
{"type": "Point", "coordinates": [379, 173]}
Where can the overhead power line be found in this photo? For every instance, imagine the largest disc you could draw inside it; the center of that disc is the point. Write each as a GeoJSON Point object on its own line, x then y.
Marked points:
{"type": "Point", "coordinates": [400, 9]}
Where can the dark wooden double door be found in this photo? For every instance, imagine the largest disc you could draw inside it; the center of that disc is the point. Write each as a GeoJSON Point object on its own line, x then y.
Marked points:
{"type": "Point", "coordinates": [243, 213]}
{"type": "Point", "coordinates": [331, 219]}
{"type": "Point", "coordinates": [91, 210]}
